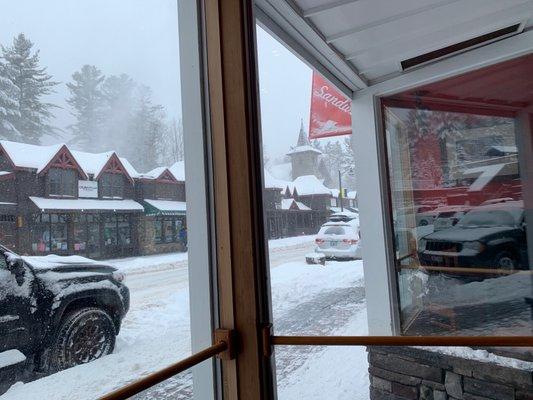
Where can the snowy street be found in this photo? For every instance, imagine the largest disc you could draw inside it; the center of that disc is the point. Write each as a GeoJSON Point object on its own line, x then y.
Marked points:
{"type": "Point", "coordinates": [307, 299]}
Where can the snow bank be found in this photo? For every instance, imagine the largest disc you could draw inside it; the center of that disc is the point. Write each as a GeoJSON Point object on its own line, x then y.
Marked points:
{"type": "Point", "coordinates": [142, 264]}
{"type": "Point", "coordinates": [11, 357]}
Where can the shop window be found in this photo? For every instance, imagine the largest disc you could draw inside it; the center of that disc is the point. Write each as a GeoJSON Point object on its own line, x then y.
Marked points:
{"type": "Point", "coordinates": [40, 233]}
{"type": "Point", "coordinates": [168, 230]}
{"type": "Point", "coordinates": [110, 230]}
{"type": "Point", "coordinates": [458, 178]}
{"type": "Point", "coordinates": [124, 229]}
{"type": "Point", "coordinates": [112, 186]}
{"type": "Point", "coordinates": [62, 182]}
{"type": "Point", "coordinates": [80, 233]}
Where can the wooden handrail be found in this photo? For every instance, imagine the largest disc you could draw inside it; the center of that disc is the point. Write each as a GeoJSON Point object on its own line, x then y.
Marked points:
{"type": "Point", "coordinates": [477, 341]}
{"type": "Point", "coordinates": [159, 376]}
{"type": "Point", "coordinates": [467, 270]}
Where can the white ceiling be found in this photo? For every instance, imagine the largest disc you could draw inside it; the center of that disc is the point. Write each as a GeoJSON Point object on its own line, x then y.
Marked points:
{"type": "Point", "coordinates": [358, 43]}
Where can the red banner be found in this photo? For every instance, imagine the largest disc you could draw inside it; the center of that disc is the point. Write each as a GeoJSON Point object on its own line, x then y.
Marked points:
{"type": "Point", "coordinates": [330, 110]}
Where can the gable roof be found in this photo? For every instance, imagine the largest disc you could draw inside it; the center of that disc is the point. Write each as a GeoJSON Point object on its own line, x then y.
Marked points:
{"type": "Point", "coordinates": [92, 163]}
{"type": "Point", "coordinates": [178, 170]}
{"type": "Point", "coordinates": [30, 156]}
{"type": "Point", "coordinates": [308, 185]}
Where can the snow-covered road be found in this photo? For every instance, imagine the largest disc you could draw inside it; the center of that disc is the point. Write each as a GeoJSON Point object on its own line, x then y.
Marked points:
{"type": "Point", "coordinates": [155, 333]}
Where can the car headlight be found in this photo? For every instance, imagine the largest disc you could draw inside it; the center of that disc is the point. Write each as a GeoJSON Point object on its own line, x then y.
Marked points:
{"type": "Point", "coordinates": [422, 244]}
{"type": "Point", "coordinates": [476, 246]}
{"type": "Point", "coordinates": [119, 276]}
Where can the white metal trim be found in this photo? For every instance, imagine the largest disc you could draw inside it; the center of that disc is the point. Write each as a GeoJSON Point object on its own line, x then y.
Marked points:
{"type": "Point", "coordinates": [198, 221]}
{"type": "Point", "coordinates": [310, 12]}
{"type": "Point", "coordinates": [493, 53]}
{"type": "Point", "coordinates": [391, 18]}
{"type": "Point", "coordinates": [286, 19]}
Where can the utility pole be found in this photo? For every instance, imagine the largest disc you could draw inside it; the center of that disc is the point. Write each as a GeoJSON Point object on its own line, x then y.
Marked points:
{"type": "Point", "coordinates": [340, 190]}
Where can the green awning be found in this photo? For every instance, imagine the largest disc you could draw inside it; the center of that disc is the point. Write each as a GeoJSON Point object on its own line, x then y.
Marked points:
{"type": "Point", "coordinates": [164, 207]}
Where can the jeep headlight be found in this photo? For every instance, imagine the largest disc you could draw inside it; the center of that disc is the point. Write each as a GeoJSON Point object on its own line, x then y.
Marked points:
{"type": "Point", "coordinates": [476, 246]}
{"type": "Point", "coordinates": [422, 244]}
{"type": "Point", "coordinates": [119, 276]}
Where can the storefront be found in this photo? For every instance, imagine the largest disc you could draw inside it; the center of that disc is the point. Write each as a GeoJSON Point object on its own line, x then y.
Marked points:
{"type": "Point", "coordinates": [92, 228]}
{"type": "Point", "coordinates": [163, 227]}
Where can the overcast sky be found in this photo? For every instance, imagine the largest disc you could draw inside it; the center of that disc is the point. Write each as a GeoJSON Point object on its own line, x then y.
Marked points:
{"type": "Point", "coordinates": [140, 38]}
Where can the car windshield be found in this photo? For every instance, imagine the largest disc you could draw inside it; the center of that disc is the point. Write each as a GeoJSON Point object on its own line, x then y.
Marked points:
{"type": "Point", "coordinates": [334, 230]}
{"type": "Point", "coordinates": [489, 218]}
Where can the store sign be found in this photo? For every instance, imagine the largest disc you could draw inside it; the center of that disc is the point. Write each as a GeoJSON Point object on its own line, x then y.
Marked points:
{"type": "Point", "coordinates": [88, 189]}
{"type": "Point", "coordinates": [331, 113]}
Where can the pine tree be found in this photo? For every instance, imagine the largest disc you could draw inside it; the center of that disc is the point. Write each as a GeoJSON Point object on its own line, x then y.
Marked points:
{"type": "Point", "coordinates": [32, 84]}
{"type": "Point", "coordinates": [148, 131]}
{"type": "Point", "coordinates": [119, 109]}
{"type": "Point", "coordinates": [86, 102]}
{"type": "Point", "coordinates": [8, 106]}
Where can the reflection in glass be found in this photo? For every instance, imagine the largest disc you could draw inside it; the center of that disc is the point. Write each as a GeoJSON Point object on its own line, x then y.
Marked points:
{"type": "Point", "coordinates": [459, 209]}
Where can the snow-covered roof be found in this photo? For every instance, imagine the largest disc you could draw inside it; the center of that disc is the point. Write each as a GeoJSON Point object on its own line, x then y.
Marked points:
{"type": "Point", "coordinates": [167, 205]}
{"type": "Point", "coordinates": [178, 170]}
{"type": "Point", "coordinates": [273, 183]}
{"type": "Point", "coordinates": [303, 149]}
{"type": "Point", "coordinates": [307, 185]}
{"type": "Point", "coordinates": [129, 168]}
{"type": "Point", "coordinates": [85, 204]}
{"type": "Point", "coordinates": [29, 155]}
{"type": "Point", "coordinates": [92, 163]}
{"type": "Point", "coordinates": [286, 204]}
{"type": "Point", "coordinates": [281, 171]}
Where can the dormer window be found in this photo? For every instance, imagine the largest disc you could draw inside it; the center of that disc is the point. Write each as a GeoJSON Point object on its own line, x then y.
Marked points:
{"type": "Point", "coordinates": [62, 182]}
{"type": "Point", "coordinates": [112, 186]}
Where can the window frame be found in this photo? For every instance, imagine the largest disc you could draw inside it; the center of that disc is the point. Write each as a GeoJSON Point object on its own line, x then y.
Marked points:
{"type": "Point", "coordinates": [62, 184]}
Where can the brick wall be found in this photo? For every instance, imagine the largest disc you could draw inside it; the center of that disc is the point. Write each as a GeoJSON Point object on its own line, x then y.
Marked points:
{"type": "Point", "coordinates": [402, 373]}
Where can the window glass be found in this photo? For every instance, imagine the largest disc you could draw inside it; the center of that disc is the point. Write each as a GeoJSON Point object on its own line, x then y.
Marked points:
{"type": "Point", "coordinates": [62, 182]}
{"type": "Point", "coordinates": [459, 181]}
{"type": "Point", "coordinates": [100, 119]}
{"type": "Point", "coordinates": [315, 257]}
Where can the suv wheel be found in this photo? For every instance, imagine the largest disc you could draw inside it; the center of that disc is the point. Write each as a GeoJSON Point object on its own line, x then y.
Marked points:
{"type": "Point", "coordinates": [506, 261]}
{"type": "Point", "coordinates": [83, 336]}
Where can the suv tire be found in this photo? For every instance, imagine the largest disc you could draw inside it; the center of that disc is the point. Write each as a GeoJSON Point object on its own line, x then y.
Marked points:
{"type": "Point", "coordinates": [506, 261]}
{"type": "Point", "coordinates": [84, 335]}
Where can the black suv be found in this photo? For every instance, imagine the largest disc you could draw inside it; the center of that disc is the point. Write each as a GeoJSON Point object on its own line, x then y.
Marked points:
{"type": "Point", "coordinates": [56, 312]}
{"type": "Point", "coordinates": [492, 236]}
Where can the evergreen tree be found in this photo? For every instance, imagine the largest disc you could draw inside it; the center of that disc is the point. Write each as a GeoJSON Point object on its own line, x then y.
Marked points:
{"type": "Point", "coordinates": [86, 102]}
{"type": "Point", "coordinates": [119, 109]}
{"type": "Point", "coordinates": [148, 132]}
{"type": "Point", "coordinates": [33, 83]}
{"type": "Point", "coordinates": [8, 106]}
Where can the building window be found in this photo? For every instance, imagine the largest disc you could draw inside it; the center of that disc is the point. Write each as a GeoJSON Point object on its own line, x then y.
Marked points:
{"type": "Point", "coordinates": [62, 182]}
{"type": "Point", "coordinates": [169, 230]}
{"type": "Point", "coordinates": [167, 191]}
{"type": "Point", "coordinates": [49, 233]}
{"type": "Point", "coordinates": [333, 202]}
{"type": "Point", "coordinates": [80, 233]}
{"type": "Point", "coordinates": [112, 186]}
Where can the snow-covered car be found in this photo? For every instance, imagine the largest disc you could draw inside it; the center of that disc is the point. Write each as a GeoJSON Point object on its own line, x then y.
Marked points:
{"type": "Point", "coordinates": [344, 216]}
{"type": "Point", "coordinates": [448, 216]}
{"type": "Point", "coordinates": [339, 240]}
{"type": "Point", "coordinates": [56, 312]}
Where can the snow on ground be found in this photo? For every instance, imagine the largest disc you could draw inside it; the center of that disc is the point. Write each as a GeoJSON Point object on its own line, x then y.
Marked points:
{"type": "Point", "coordinates": [156, 331]}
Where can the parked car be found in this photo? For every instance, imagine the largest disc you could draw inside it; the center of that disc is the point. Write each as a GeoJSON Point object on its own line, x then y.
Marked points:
{"type": "Point", "coordinates": [339, 240]}
{"type": "Point", "coordinates": [344, 216]}
{"type": "Point", "coordinates": [448, 216]}
{"type": "Point", "coordinates": [492, 236]}
{"type": "Point", "coordinates": [57, 312]}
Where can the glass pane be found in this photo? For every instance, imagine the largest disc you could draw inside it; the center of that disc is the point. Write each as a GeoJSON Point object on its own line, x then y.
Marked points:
{"type": "Point", "coordinates": [90, 125]}
{"type": "Point", "coordinates": [460, 203]}
{"type": "Point", "coordinates": [311, 222]}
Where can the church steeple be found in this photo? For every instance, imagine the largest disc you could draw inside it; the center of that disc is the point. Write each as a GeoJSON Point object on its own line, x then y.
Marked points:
{"type": "Point", "coordinates": [302, 137]}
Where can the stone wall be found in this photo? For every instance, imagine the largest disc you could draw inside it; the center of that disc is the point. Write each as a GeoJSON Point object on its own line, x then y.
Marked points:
{"type": "Point", "coordinates": [402, 373]}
